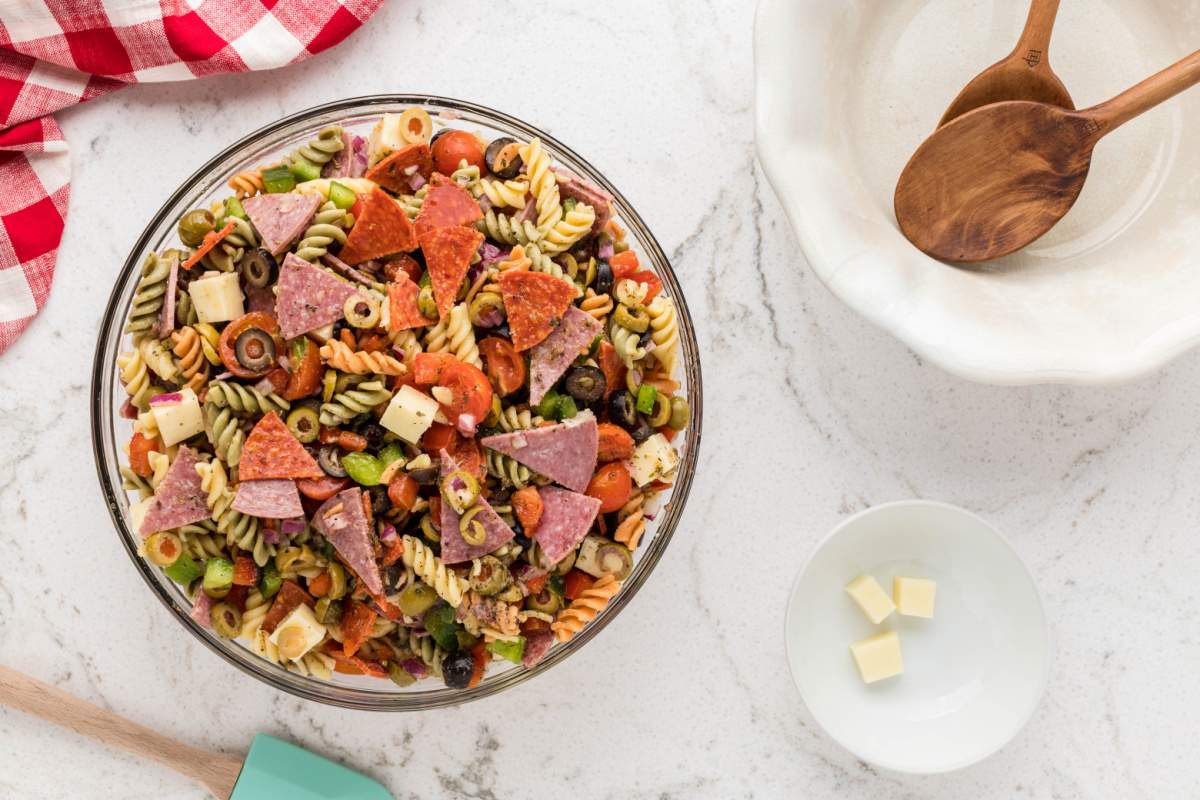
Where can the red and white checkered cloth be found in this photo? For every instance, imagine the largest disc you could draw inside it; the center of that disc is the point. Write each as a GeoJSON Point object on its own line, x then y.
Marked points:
{"type": "Point", "coordinates": [56, 53]}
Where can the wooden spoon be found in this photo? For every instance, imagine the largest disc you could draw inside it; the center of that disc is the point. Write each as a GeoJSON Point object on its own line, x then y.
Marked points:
{"type": "Point", "coordinates": [998, 177]}
{"type": "Point", "coordinates": [1024, 74]}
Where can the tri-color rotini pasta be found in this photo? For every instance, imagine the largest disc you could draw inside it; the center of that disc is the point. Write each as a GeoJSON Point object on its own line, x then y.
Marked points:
{"type": "Point", "coordinates": [402, 404]}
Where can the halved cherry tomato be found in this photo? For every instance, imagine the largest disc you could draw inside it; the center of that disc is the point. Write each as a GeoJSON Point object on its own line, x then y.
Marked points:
{"type": "Point", "coordinates": [327, 435]}
{"type": "Point", "coordinates": [479, 661]}
{"type": "Point", "coordinates": [470, 392]}
{"type": "Point", "coordinates": [402, 490]}
{"type": "Point", "coordinates": [402, 263]}
{"type": "Point", "coordinates": [454, 146]}
{"type": "Point", "coordinates": [245, 573]}
{"type": "Point", "coordinates": [651, 280]}
{"type": "Point", "coordinates": [535, 585]}
{"type": "Point", "coordinates": [576, 583]}
{"type": "Point", "coordinates": [304, 359]}
{"type": "Point", "coordinates": [351, 441]}
{"type": "Point", "coordinates": [427, 367]}
{"type": "Point", "coordinates": [505, 366]}
{"type": "Point", "coordinates": [623, 265]}
{"type": "Point", "coordinates": [357, 622]}
{"type": "Point", "coordinates": [320, 585]}
{"type": "Point", "coordinates": [438, 437]}
{"type": "Point", "coordinates": [465, 452]}
{"type": "Point", "coordinates": [527, 505]}
{"type": "Point", "coordinates": [611, 485]}
{"type": "Point", "coordinates": [435, 511]}
{"type": "Point", "coordinates": [321, 488]}
{"type": "Point", "coordinates": [255, 319]}
{"type": "Point", "coordinates": [615, 443]}
{"type": "Point", "coordinates": [140, 448]}
{"type": "Point", "coordinates": [611, 366]}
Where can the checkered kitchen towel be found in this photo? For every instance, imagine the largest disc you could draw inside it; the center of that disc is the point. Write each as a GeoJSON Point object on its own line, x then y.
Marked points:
{"type": "Point", "coordinates": [56, 53]}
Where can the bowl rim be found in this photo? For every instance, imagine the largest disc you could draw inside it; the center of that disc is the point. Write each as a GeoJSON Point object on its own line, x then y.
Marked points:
{"type": "Point", "coordinates": [1044, 678]}
{"type": "Point", "coordinates": [329, 692]}
{"type": "Point", "coordinates": [1139, 359]}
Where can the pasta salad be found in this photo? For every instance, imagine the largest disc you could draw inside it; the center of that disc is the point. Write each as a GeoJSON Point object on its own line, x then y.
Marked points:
{"type": "Point", "coordinates": [402, 404]}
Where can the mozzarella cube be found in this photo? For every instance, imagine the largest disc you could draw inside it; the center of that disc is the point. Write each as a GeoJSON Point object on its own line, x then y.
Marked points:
{"type": "Point", "coordinates": [385, 138]}
{"type": "Point", "coordinates": [878, 657]}
{"type": "Point", "coordinates": [180, 420]}
{"type": "Point", "coordinates": [137, 512]}
{"type": "Point", "coordinates": [298, 633]}
{"type": "Point", "coordinates": [871, 598]}
{"type": "Point", "coordinates": [409, 414]}
{"type": "Point", "coordinates": [322, 334]}
{"type": "Point", "coordinates": [914, 596]}
{"type": "Point", "coordinates": [217, 298]}
{"type": "Point", "coordinates": [654, 459]}
{"type": "Point", "coordinates": [158, 359]}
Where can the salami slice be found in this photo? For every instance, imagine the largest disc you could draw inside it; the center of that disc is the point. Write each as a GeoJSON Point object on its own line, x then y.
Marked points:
{"type": "Point", "coordinates": [381, 229]}
{"type": "Point", "coordinates": [178, 500]}
{"type": "Point", "coordinates": [565, 453]}
{"type": "Point", "coordinates": [280, 218]}
{"type": "Point", "coordinates": [273, 498]}
{"type": "Point", "coordinates": [308, 297]}
{"type": "Point", "coordinates": [272, 452]}
{"type": "Point", "coordinates": [395, 172]}
{"type": "Point", "coordinates": [576, 188]}
{"type": "Point", "coordinates": [566, 519]}
{"type": "Point", "coordinates": [537, 644]}
{"type": "Point", "coordinates": [551, 357]}
{"type": "Point", "coordinates": [455, 549]}
{"type": "Point", "coordinates": [447, 205]}
{"type": "Point", "coordinates": [202, 609]}
{"type": "Point", "coordinates": [166, 316]}
{"type": "Point", "coordinates": [448, 253]}
{"type": "Point", "coordinates": [342, 521]}
{"type": "Point", "coordinates": [535, 303]}
{"type": "Point", "coordinates": [403, 312]}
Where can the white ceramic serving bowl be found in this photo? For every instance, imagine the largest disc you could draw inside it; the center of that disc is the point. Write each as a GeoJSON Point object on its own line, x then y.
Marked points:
{"type": "Point", "coordinates": [973, 674]}
{"type": "Point", "coordinates": [847, 90]}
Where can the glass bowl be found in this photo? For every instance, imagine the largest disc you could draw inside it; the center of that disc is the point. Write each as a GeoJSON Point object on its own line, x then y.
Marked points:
{"type": "Point", "coordinates": [109, 429]}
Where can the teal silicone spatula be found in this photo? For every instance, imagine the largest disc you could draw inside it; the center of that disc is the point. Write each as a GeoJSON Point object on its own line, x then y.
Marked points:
{"type": "Point", "coordinates": [272, 769]}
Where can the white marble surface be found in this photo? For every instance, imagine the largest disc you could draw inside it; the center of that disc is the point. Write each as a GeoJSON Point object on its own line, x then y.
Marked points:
{"type": "Point", "coordinates": [686, 694]}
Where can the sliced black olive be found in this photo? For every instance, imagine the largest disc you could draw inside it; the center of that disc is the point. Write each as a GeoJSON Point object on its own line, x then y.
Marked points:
{"type": "Point", "coordinates": [330, 459]}
{"type": "Point", "coordinates": [623, 410]}
{"type": "Point", "coordinates": [503, 157]}
{"type": "Point", "coordinates": [604, 278]}
{"type": "Point", "coordinates": [373, 432]}
{"type": "Point", "coordinates": [255, 350]}
{"type": "Point", "coordinates": [425, 477]}
{"type": "Point", "coordinates": [379, 500]}
{"type": "Point", "coordinates": [457, 669]}
{"type": "Point", "coordinates": [440, 133]}
{"type": "Point", "coordinates": [642, 431]}
{"type": "Point", "coordinates": [585, 384]}
{"type": "Point", "coordinates": [257, 266]}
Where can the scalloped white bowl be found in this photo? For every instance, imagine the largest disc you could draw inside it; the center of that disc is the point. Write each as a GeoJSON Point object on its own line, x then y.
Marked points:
{"type": "Point", "coordinates": [847, 90]}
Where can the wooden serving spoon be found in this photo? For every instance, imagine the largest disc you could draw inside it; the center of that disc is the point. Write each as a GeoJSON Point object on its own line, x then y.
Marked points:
{"type": "Point", "coordinates": [998, 177]}
{"type": "Point", "coordinates": [1024, 74]}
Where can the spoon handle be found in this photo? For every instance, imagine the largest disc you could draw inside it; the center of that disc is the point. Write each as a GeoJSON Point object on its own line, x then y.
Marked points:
{"type": "Point", "coordinates": [1034, 45]}
{"type": "Point", "coordinates": [1156, 89]}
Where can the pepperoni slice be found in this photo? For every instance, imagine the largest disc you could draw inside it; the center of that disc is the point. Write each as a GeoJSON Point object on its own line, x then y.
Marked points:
{"type": "Point", "coordinates": [448, 253]}
{"type": "Point", "coordinates": [381, 229]}
{"type": "Point", "coordinates": [395, 171]}
{"type": "Point", "coordinates": [403, 312]}
{"type": "Point", "coordinates": [535, 303]}
{"type": "Point", "coordinates": [272, 452]}
{"type": "Point", "coordinates": [447, 205]}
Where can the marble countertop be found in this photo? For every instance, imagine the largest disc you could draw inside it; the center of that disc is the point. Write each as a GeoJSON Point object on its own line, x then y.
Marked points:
{"type": "Point", "coordinates": [686, 693]}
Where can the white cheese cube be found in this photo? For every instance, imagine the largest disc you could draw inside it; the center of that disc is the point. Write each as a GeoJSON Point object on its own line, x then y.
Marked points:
{"type": "Point", "coordinates": [217, 298]}
{"type": "Point", "coordinates": [654, 459]}
{"type": "Point", "coordinates": [137, 512]}
{"type": "Point", "coordinates": [878, 657]}
{"type": "Point", "coordinates": [871, 598]}
{"type": "Point", "coordinates": [914, 596]}
{"type": "Point", "coordinates": [298, 633]}
{"type": "Point", "coordinates": [158, 359]}
{"type": "Point", "coordinates": [320, 186]}
{"type": "Point", "coordinates": [385, 138]}
{"type": "Point", "coordinates": [409, 414]}
{"type": "Point", "coordinates": [322, 334]}
{"type": "Point", "coordinates": [179, 420]}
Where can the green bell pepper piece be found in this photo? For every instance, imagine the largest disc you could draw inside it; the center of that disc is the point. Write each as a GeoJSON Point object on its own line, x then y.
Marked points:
{"type": "Point", "coordinates": [184, 570]}
{"type": "Point", "coordinates": [510, 651]}
{"type": "Point", "coordinates": [646, 396]}
{"type": "Point", "coordinates": [363, 468]}
{"type": "Point", "coordinates": [341, 195]}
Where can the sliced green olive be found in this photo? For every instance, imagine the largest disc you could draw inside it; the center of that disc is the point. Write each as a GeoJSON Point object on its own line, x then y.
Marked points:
{"type": "Point", "coordinates": [399, 675]}
{"type": "Point", "coordinates": [218, 577]}
{"type": "Point", "coordinates": [328, 611]}
{"type": "Point", "coordinates": [337, 581]}
{"type": "Point", "coordinates": [472, 530]}
{"type": "Point", "coordinates": [546, 601]}
{"type": "Point", "coordinates": [492, 578]}
{"type": "Point", "coordinates": [460, 489]}
{"type": "Point", "coordinates": [426, 304]}
{"type": "Point", "coordinates": [304, 423]}
{"type": "Point", "coordinates": [226, 620]}
{"type": "Point", "coordinates": [486, 310]}
{"type": "Point", "coordinates": [680, 412]}
{"type": "Point", "coordinates": [599, 557]}
{"type": "Point", "coordinates": [361, 311]}
{"type": "Point", "coordinates": [416, 599]}
{"type": "Point", "coordinates": [163, 549]}
{"type": "Point", "coordinates": [255, 350]}
{"type": "Point", "coordinates": [662, 411]}
{"type": "Point", "coordinates": [194, 226]}
{"type": "Point", "coordinates": [634, 319]}
{"type": "Point", "coordinates": [257, 266]}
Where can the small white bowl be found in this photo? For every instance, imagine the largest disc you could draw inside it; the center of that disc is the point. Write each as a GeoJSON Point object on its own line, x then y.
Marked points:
{"type": "Point", "coordinates": [847, 90]}
{"type": "Point", "coordinates": [973, 675]}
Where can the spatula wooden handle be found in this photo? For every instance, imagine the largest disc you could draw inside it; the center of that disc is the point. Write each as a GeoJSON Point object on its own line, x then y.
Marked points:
{"type": "Point", "coordinates": [218, 773]}
{"type": "Point", "coordinates": [1034, 43]}
{"type": "Point", "coordinates": [1146, 95]}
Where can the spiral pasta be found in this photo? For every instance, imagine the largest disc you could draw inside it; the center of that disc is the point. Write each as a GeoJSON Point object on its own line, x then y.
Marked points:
{"type": "Point", "coordinates": [192, 362]}
{"type": "Point", "coordinates": [295, 561]}
{"type": "Point", "coordinates": [244, 399]}
{"type": "Point", "coordinates": [347, 405]}
{"type": "Point", "coordinates": [159, 464]}
{"type": "Point", "coordinates": [584, 608]}
{"type": "Point", "coordinates": [316, 152]}
{"type": "Point", "coordinates": [542, 184]}
{"type": "Point", "coordinates": [540, 262]}
{"type": "Point", "coordinates": [626, 343]}
{"type": "Point", "coordinates": [631, 518]}
{"type": "Point", "coordinates": [412, 203]}
{"type": "Point", "coordinates": [455, 335]}
{"type": "Point", "coordinates": [405, 342]}
{"type": "Point", "coordinates": [664, 327]}
{"type": "Point", "coordinates": [201, 540]}
{"type": "Point", "coordinates": [504, 194]}
{"type": "Point", "coordinates": [504, 228]}
{"type": "Point", "coordinates": [149, 295]}
{"type": "Point", "coordinates": [135, 377]}
{"type": "Point", "coordinates": [573, 226]}
{"type": "Point", "coordinates": [517, 260]}
{"type": "Point", "coordinates": [210, 339]}
{"type": "Point", "coordinates": [422, 647]}
{"type": "Point", "coordinates": [429, 568]}
{"type": "Point", "coordinates": [598, 306]}
{"type": "Point", "coordinates": [248, 182]}
{"type": "Point", "coordinates": [327, 227]}
{"type": "Point", "coordinates": [224, 433]}
{"type": "Point", "coordinates": [340, 356]}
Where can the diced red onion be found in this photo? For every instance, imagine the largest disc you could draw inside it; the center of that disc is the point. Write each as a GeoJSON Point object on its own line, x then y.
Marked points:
{"type": "Point", "coordinates": [490, 254]}
{"type": "Point", "coordinates": [293, 527]}
{"type": "Point", "coordinates": [416, 181]}
{"type": "Point", "coordinates": [388, 534]}
{"type": "Point", "coordinates": [485, 203]}
{"type": "Point", "coordinates": [605, 251]}
{"type": "Point", "coordinates": [415, 667]}
{"type": "Point", "coordinates": [168, 399]}
{"type": "Point", "coordinates": [490, 318]}
{"type": "Point", "coordinates": [466, 424]}
{"type": "Point", "coordinates": [224, 376]}
{"type": "Point", "coordinates": [264, 386]}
